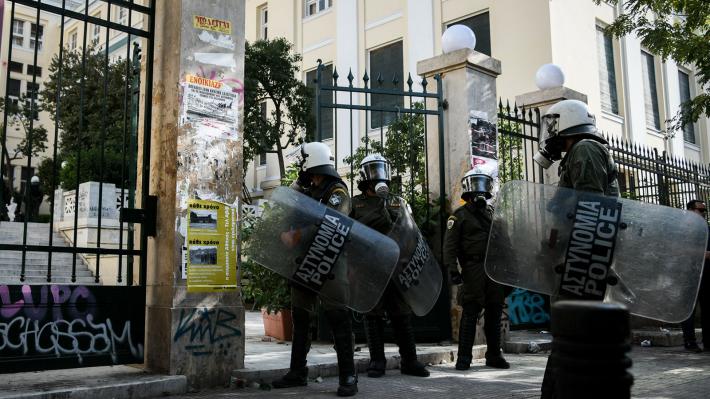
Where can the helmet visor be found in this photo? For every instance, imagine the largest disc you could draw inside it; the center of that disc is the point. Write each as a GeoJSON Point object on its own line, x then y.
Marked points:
{"type": "Point", "coordinates": [477, 184]}
{"type": "Point", "coordinates": [378, 170]}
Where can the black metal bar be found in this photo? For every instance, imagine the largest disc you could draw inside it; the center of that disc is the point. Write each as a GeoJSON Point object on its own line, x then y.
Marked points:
{"type": "Point", "coordinates": [378, 91]}
{"type": "Point", "coordinates": [146, 137]}
{"type": "Point", "coordinates": [357, 143]}
{"type": "Point", "coordinates": [71, 250]}
{"type": "Point", "coordinates": [319, 123]}
{"type": "Point", "coordinates": [5, 125]}
{"type": "Point", "coordinates": [127, 93]}
{"type": "Point", "coordinates": [442, 165]}
{"type": "Point", "coordinates": [100, 207]}
{"type": "Point", "coordinates": [335, 118]}
{"type": "Point", "coordinates": [56, 141]}
{"type": "Point", "coordinates": [87, 18]}
{"type": "Point", "coordinates": [383, 109]}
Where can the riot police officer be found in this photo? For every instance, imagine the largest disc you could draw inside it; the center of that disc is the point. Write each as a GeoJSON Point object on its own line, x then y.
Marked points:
{"type": "Point", "coordinates": [466, 239]}
{"type": "Point", "coordinates": [319, 180]}
{"type": "Point", "coordinates": [375, 207]}
{"type": "Point", "coordinates": [569, 127]}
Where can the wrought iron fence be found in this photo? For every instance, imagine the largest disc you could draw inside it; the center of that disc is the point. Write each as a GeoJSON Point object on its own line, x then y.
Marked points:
{"type": "Point", "coordinates": [70, 116]}
{"type": "Point", "coordinates": [645, 174]}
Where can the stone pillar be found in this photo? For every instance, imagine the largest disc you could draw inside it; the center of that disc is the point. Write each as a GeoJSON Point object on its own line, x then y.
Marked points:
{"type": "Point", "coordinates": [197, 334]}
{"type": "Point", "coordinates": [543, 99]}
{"type": "Point", "coordinates": [468, 80]}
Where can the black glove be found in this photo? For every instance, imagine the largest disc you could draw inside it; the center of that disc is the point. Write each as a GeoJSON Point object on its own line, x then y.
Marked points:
{"type": "Point", "coordinates": [455, 277]}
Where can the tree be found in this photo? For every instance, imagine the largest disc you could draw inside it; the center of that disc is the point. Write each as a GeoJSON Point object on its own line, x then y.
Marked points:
{"type": "Point", "coordinates": [679, 29]}
{"type": "Point", "coordinates": [90, 116]}
{"type": "Point", "coordinates": [270, 73]}
{"type": "Point", "coordinates": [20, 117]}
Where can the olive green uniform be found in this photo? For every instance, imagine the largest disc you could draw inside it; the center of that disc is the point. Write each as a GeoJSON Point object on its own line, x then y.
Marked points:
{"type": "Point", "coordinates": [380, 214]}
{"type": "Point", "coordinates": [466, 240]}
{"type": "Point", "coordinates": [334, 194]}
{"type": "Point", "coordinates": [587, 166]}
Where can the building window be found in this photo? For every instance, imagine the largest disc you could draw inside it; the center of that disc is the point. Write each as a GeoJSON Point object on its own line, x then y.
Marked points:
{"type": "Point", "coordinates": [13, 88]}
{"type": "Point", "coordinates": [684, 89]}
{"type": "Point", "coordinates": [262, 159]}
{"type": "Point", "coordinates": [481, 26]}
{"type": "Point", "coordinates": [31, 70]}
{"type": "Point", "coordinates": [314, 7]}
{"type": "Point", "coordinates": [263, 23]}
{"type": "Point", "coordinates": [607, 72]}
{"type": "Point", "coordinates": [326, 98]}
{"type": "Point", "coordinates": [386, 62]}
{"type": "Point", "coordinates": [36, 36]}
{"type": "Point", "coordinates": [96, 33]}
{"type": "Point", "coordinates": [73, 39]}
{"type": "Point", "coordinates": [16, 66]}
{"type": "Point", "coordinates": [32, 90]}
{"type": "Point", "coordinates": [650, 93]}
{"type": "Point", "coordinates": [18, 33]}
{"type": "Point", "coordinates": [122, 15]}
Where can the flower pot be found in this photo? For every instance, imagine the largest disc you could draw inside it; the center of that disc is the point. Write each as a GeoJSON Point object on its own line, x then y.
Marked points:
{"type": "Point", "coordinates": [278, 325]}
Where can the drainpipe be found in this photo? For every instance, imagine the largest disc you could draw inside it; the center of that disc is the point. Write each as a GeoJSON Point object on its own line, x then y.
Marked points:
{"type": "Point", "coordinates": [625, 76]}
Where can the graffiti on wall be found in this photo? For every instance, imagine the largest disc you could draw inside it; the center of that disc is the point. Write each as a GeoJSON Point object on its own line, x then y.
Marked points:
{"type": "Point", "coordinates": [69, 323]}
{"type": "Point", "coordinates": [527, 308]}
{"type": "Point", "coordinates": [206, 331]}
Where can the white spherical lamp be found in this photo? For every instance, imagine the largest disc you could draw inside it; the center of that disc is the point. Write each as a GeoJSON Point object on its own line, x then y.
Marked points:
{"type": "Point", "coordinates": [549, 76]}
{"type": "Point", "coordinates": [34, 179]}
{"type": "Point", "coordinates": [457, 37]}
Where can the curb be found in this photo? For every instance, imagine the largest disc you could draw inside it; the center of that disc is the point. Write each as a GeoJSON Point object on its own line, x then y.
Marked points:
{"type": "Point", "coordinates": [151, 388]}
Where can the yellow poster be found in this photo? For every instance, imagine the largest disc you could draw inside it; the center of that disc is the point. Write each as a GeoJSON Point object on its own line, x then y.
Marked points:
{"type": "Point", "coordinates": [212, 24]}
{"type": "Point", "coordinates": [211, 246]}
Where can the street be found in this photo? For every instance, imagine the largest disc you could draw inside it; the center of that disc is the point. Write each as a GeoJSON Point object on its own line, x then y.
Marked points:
{"type": "Point", "coordinates": [658, 373]}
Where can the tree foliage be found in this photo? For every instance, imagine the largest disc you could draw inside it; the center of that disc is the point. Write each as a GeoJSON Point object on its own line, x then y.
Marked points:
{"type": "Point", "coordinates": [270, 73]}
{"type": "Point", "coordinates": [34, 136]}
{"type": "Point", "coordinates": [677, 29]}
{"type": "Point", "coordinates": [90, 116]}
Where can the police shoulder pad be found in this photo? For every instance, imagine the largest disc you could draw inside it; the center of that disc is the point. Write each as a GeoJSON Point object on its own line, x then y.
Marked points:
{"type": "Point", "coordinates": [336, 197]}
{"type": "Point", "coordinates": [450, 222]}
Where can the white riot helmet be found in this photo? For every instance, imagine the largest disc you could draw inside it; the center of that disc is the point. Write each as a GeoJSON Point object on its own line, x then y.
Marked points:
{"type": "Point", "coordinates": [478, 184]}
{"type": "Point", "coordinates": [316, 158]}
{"type": "Point", "coordinates": [376, 168]}
{"type": "Point", "coordinates": [567, 118]}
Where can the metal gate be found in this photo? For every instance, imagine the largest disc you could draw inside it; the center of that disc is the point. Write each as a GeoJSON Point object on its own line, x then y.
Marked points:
{"type": "Point", "coordinates": [72, 253]}
{"type": "Point", "coordinates": [396, 117]}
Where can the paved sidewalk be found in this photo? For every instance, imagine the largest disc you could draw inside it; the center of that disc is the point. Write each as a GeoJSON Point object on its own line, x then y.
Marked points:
{"type": "Point", "coordinates": [658, 372]}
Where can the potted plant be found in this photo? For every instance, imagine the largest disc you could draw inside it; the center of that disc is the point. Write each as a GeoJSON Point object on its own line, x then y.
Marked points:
{"type": "Point", "coordinates": [268, 291]}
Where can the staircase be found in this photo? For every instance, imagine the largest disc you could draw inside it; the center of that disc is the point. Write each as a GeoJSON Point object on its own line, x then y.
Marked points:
{"type": "Point", "coordinates": [36, 262]}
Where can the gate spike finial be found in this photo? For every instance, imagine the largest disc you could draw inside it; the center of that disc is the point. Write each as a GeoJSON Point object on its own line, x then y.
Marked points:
{"type": "Point", "coordinates": [350, 77]}
{"type": "Point", "coordinates": [366, 78]}
{"type": "Point", "coordinates": [409, 81]}
{"type": "Point", "coordinates": [424, 84]}
{"type": "Point", "coordinates": [379, 79]}
{"type": "Point", "coordinates": [335, 76]}
{"type": "Point", "coordinates": [395, 80]}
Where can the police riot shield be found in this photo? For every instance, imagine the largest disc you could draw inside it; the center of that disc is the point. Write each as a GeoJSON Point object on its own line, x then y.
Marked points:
{"type": "Point", "coordinates": [579, 245]}
{"type": "Point", "coordinates": [323, 250]}
{"type": "Point", "coordinates": [417, 275]}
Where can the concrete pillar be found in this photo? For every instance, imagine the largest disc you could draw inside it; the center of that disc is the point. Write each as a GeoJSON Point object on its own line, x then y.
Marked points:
{"type": "Point", "coordinates": [468, 80]}
{"type": "Point", "coordinates": [196, 334]}
{"type": "Point", "coordinates": [543, 100]}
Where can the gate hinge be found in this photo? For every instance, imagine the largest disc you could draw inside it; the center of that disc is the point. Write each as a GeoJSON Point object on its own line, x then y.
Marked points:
{"type": "Point", "coordinates": [146, 217]}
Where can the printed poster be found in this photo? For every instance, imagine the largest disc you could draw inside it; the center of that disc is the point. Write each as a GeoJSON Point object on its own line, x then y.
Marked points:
{"type": "Point", "coordinates": [211, 246]}
{"type": "Point", "coordinates": [211, 106]}
{"type": "Point", "coordinates": [484, 145]}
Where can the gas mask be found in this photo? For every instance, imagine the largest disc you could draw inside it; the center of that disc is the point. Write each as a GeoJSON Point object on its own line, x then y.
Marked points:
{"type": "Point", "coordinates": [375, 171]}
{"type": "Point", "coordinates": [382, 189]}
{"type": "Point", "coordinates": [479, 200]}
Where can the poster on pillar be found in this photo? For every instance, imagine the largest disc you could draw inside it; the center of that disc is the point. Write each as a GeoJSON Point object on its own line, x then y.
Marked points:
{"type": "Point", "coordinates": [211, 246]}
{"type": "Point", "coordinates": [209, 144]}
{"type": "Point", "coordinates": [483, 144]}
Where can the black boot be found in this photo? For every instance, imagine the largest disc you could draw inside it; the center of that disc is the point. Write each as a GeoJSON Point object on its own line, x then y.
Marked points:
{"type": "Point", "coordinates": [297, 376]}
{"type": "Point", "coordinates": [374, 331]}
{"type": "Point", "coordinates": [404, 334]}
{"type": "Point", "coordinates": [467, 334]}
{"type": "Point", "coordinates": [340, 322]}
{"type": "Point", "coordinates": [491, 327]}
